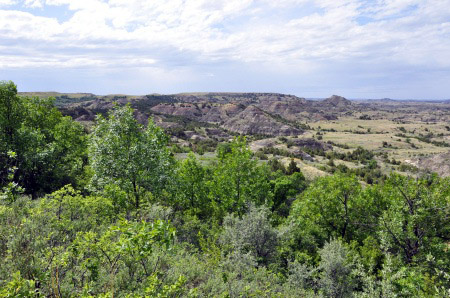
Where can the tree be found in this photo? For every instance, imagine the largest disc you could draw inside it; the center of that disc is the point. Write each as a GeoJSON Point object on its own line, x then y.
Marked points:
{"type": "Point", "coordinates": [292, 168]}
{"type": "Point", "coordinates": [284, 189]}
{"type": "Point", "coordinates": [50, 148]}
{"type": "Point", "coordinates": [53, 148]}
{"type": "Point", "coordinates": [193, 190]}
{"type": "Point", "coordinates": [123, 153]}
{"type": "Point", "coordinates": [415, 224]}
{"type": "Point", "coordinates": [335, 279]}
{"type": "Point", "coordinates": [11, 113]}
{"type": "Point", "coordinates": [331, 207]}
{"type": "Point", "coordinates": [238, 180]}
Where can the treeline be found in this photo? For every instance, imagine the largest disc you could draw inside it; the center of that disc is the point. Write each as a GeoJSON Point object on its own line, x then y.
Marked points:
{"type": "Point", "coordinates": [110, 213]}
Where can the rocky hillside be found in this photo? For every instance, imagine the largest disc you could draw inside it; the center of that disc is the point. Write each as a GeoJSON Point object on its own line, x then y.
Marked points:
{"type": "Point", "coordinates": [287, 125]}
{"type": "Point", "coordinates": [439, 163]}
{"type": "Point", "coordinates": [255, 121]}
{"type": "Point", "coordinates": [269, 114]}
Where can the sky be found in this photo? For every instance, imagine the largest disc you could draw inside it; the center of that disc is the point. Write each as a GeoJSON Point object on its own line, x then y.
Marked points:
{"type": "Point", "coordinates": [309, 48]}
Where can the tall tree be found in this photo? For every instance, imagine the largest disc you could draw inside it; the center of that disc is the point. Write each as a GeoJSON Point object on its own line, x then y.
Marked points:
{"type": "Point", "coordinates": [123, 153]}
{"type": "Point", "coordinates": [331, 207]}
{"type": "Point", "coordinates": [53, 147]}
{"type": "Point", "coordinates": [11, 113]}
{"type": "Point", "coordinates": [193, 190]}
{"type": "Point", "coordinates": [416, 223]}
{"type": "Point", "coordinates": [238, 180]}
{"type": "Point", "coordinates": [50, 148]}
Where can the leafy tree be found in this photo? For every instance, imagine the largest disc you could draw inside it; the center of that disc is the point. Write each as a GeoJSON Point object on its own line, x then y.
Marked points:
{"type": "Point", "coordinates": [50, 148]}
{"type": "Point", "coordinates": [11, 114]}
{"type": "Point", "coordinates": [415, 224]}
{"type": "Point", "coordinates": [335, 270]}
{"type": "Point", "coordinates": [331, 207]}
{"type": "Point", "coordinates": [123, 153]}
{"type": "Point", "coordinates": [284, 189]}
{"type": "Point", "coordinates": [238, 179]}
{"type": "Point", "coordinates": [275, 165]}
{"type": "Point", "coordinates": [11, 190]}
{"type": "Point", "coordinates": [19, 287]}
{"type": "Point", "coordinates": [53, 154]}
{"type": "Point", "coordinates": [292, 168]}
{"type": "Point", "coordinates": [193, 190]}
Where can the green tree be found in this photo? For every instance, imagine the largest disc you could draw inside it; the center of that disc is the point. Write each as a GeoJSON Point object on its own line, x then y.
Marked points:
{"type": "Point", "coordinates": [415, 224]}
{"type": "Point", "coordinates": [123, 153]}
{"type": "Point", "coordinates": [331, 207]}
{"type": "Point", "coordinates": [238, 180]}
{"type": "Point", "coordinates": [284, 189]}
{"type": "Point", "coordinates": [292, 168]}
{"type": "Point", "coordinates": [11, 114]}
{"type": "Point", "coordinates": [19, 287]}
{"type": "Point", "coordinates": [335, 270]}
{"type": "Point", "coordinates": [193, 190]}
{"type": "Point", "coordinates": [53, 148]}
{"type": "Point", "coordinates": [50, 148]}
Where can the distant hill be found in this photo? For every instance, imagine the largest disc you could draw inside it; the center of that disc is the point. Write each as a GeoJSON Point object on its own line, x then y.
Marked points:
{"type": "Point", "coordinates": [271, 114]}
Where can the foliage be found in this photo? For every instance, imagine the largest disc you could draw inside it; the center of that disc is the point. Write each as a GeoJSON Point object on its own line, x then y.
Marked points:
{"type": "Point", "coordinates": [50, 148]}
{"type": "Point", "coordinates": [330, 207]}
{"type": "Point", "coordinates": [193, 189]}
{"type": "Point", "coordinates": [335, 268]}
{"type": "Point", "coordinates": [244, 228]}
{"type": "Point", "coordinates": [122, 153]}
{"type": "Point", "coordinates": [238, 180]}
{"type": "Point", "coordinates": [252, 234]}
{"type": "Point", "coordinates": [18, 287]}
{"type": "Point", "coordinates": [412, 225]}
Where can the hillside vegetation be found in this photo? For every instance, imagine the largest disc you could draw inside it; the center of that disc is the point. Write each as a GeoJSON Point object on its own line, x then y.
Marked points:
{"type": "Point", "coordinates": [404, 136]}
{"type": "Point", "coordinates": [154, 197]}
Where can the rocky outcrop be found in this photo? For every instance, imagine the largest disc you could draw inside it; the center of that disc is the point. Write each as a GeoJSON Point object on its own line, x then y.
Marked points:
{"type": "Point", "coordinates": [255, 121]}
{"type": "Point", "coordinates": [439, 163]}
{"type": "Point", "coordinates": [188, 110]}
{"type": "Point", "coordinates": [271, 114]}
{"type": "Point", "coordinates": [337, 101]}
{"type": "Point", "coordinates": [291, 110]}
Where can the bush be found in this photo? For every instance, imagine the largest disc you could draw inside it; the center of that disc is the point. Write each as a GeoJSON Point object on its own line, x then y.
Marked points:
{"type": "Point", "coordinates": [252, 234]}
{"type": "Point", "coordinates": [335, 268]}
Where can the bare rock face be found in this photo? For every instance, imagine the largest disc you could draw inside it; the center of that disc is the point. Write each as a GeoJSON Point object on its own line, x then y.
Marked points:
{"type": "Point", "coordinates": [337, 101]}
{"type": "Point", "coordinates": [269, 114]}
{"type": "Point", "coordinates": [220, 113]}
{"type": "Point", "coordinates": [286, 109]}
{"type": "Point", "coordinates": [439, 163]}
{"type": "Point", "coordinates": [255, 121]}
{"type": "Point", "coordinates": [86, 111]}
{"type": "Point", "coordinates": [187, 110]}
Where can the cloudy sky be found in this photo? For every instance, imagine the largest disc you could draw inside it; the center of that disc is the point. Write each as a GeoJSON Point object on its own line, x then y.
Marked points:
{"type": "Point", "coordinates": [310, 48]}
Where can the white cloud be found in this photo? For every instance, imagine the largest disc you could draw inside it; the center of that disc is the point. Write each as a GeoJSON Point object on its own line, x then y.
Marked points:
{"type": "Point", "coordinates": [195, 26]}
{"type": "Point", "coordinates": [26, 26]}
{"type": "Point", "coordinates": [285, 34]}
{"type": "Point", "coordinates": [33, 3]}
{"type": "Point", "coordinates": [7, 2]}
